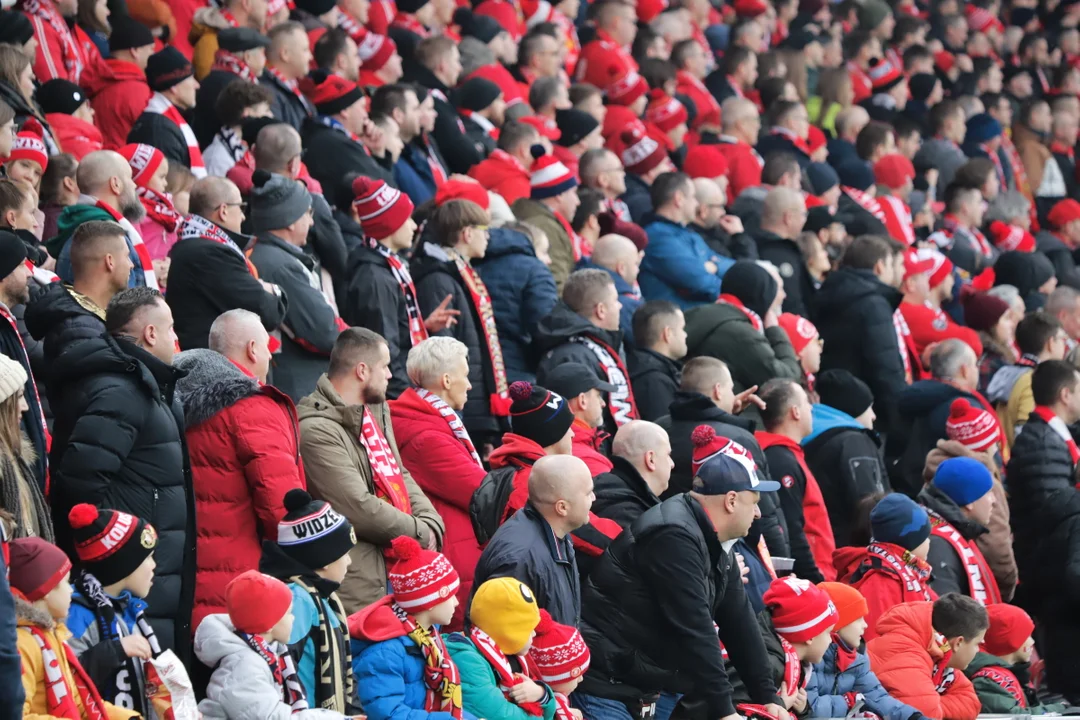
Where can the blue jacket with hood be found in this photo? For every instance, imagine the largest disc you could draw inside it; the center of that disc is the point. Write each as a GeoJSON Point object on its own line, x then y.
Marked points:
{"type": "Point", "coordinates": [828, 685]}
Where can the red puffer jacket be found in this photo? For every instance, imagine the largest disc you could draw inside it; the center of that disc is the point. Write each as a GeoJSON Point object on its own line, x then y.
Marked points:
{"type": "Point", "coordinates": [587, 447]}
{"type": "Point", "coordinates": [447, 473]}
{"type": "Point", "coordinates": [243, 444]}
{"type": "Point", "coordinates": [120, 102]}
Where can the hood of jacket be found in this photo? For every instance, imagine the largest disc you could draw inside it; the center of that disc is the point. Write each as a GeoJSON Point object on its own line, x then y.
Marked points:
{"type": "Point", "coordinates": [563, 323]}
{"type": "Point", "coordinates": [104, 355]}
{"type": "Point", "coordinates": [503, 242]}
{"type": "Point", "coordinates": [495, 169]}
{"type": "Point", "coordinates": [375, 623]}
{"type": "Point", "coordinates": [125, 70]}
{"type": "Point", "coordinates": [327, 404]}
{"type": "Point", "coordinates": [846, 560]}
{"type": "Point", "coordinates": [57, 303]}
{"type": "Point", "coordinates": [515, 449]}
{"type": "Point", "coordinates": [933, 498]}
{"type": "Point", "coordinates": [212, 384]}
{"type": "Point", "coordinates": [847, 287]}
{"type": "Point", "coordinates": [27, 615]}
{"type": "Point", "coordinates": [216, 639]}
{"type": "Point", "coordinates": [206, 21]}
{"type": "Point", "coordinates": [768, 440]}
{"type": "Point", "coordinates": [923, 396]}
{"type": "Point", "coordinates": [72, 217]}
{"type": "Point", "coordinates": [429, 258]}
{"type": "Point", "coordinates": [953, 448]}
{"type": "Point", "coordinates": [828, 418]}
{"type": "Point", "coordinates": [913, 623]}
{"type": "Point", "coordinates": [695, 407]}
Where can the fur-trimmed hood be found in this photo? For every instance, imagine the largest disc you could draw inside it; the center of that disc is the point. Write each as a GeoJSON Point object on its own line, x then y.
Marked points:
{"type": "Point", "coordinates": [27, 614]}
{"type": "Point", "coordinates": [212, 384]}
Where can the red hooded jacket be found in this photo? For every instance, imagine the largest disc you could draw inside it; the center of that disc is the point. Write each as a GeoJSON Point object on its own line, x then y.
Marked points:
{"type": "Point", "coordinates": [445, 470]}
{"type": "Point", "coordinates": [881, 587]}
{"type": "Point", "coordinates": [120, 102]}
{"type": "Point", "coordinates": [75, 136]}
{"type": "Point", "coordinates": [744, 166]}
{"type": "Point", "coordinates": [587, 447]}
{"type": "Point", "coordinates": [502, 173]}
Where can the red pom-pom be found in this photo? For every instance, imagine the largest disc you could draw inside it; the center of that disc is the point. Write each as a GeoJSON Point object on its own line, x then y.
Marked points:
{"type": "Point", "coordinates": [405, 547]}
{"type": "Point", "coordinates": [33, 127]}
{"type": "Point", "coordinates": [520, 390]}
{"type": "Point", "coordinates": [546, 624]}
{"type": "Point", "coordinates": [703, 435]}
{"type": "Point", "coordinates": [959, 409]}
{"type": "Point", "coordinates": [82, 515]}
{"type": "Point", "coordinates": [632, 135]}
{"type": "Point", "coordinates": [657, 94]}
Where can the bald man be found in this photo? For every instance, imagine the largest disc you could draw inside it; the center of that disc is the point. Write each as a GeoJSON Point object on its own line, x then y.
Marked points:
{"type": "Point", "coordinates": [782, 219]}
{"type": "Point", "coordinates": [108, 194]}
{"type": "Point", "coordinates": [722, 232]}
{"type": "Point", "coordinates": [534, 545]}
{"type": "Point", "coordinates": [740, 125]}
{"type": "Point", "coordinates": [849, 123]}
{"type": "Point", "coordinates": [641, 454]}
{"type": "Point", "coordinates": [621, 259]}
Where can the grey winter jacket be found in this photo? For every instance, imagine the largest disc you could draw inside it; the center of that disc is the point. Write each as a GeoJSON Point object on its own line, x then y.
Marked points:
{"type": "Point", "coordinates": [242, 686]}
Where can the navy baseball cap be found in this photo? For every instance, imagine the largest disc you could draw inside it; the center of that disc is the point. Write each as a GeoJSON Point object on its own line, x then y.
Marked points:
{"type": "Point", "coordinates": [724, 473]}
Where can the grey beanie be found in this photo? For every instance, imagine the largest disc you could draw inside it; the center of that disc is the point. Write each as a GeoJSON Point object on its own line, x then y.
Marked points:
{"type": "Point", "coordinates": [276, 201]}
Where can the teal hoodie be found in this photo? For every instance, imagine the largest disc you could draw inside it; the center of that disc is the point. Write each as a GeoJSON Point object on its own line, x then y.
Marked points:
{"type": "Point", "coordinates": [60, 246]}
{"type": "Point", "coordinates": [828, 418]}
{"type": "Point", "coordinates": [480, 691]}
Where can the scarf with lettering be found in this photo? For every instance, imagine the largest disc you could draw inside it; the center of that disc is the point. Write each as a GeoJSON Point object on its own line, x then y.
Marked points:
{"type": "Point", "coordinates": [293, 87]}
{"type": "Point", "coordinates": [159, 208]}
{"type": "Point", "coordinates": [334, 682]}
{"type": "Point", "coordinates": [1005, 680]}
{"type": "Point", "coordinates": [417, 331]}
{"type": "Point", "coordinates": [981, 583]}
{"type": "Point", "coordinates": [282, 668]}
{"type": "Point", "coordinates": [480, 301]}
{"type": "Point", "coordinates": [441, 675]}
{"type": "Point", "coordinates": [351, 26]}
{"type": "Point", "coordinates": [160, 105]}
{"type": "Point", "coordinates": [124, 678]}
{"type": "Point", "coordinates": [405, 21]}
{"type": "Point", "coordinates": [1058, 425]}
{"type": "Point", "coordinates": [44, 11]}
{"type": "Point", "coordinates": [504, 673]}
{"type": "Point", "coordinates": [196, 226]}
{"type": "Point", "coordinates": [944, 237]}
{"type": "Point", "coordinates": [753, 317]}
{"type": "Point", "coordinates": [232, 64]}
{"type": "Point", "coordinates": [385, 471]}
{"type": "Point", "coordinates": [865, 201]}
{"type": "Point", "coordinates": [943, 675]}
{"type": "Point", "coordinates": [620, 401]}
{"type": "Point", "coordinates": [59, 697]}
{"type": "Point", "coordinates": [913, 572]}
{"type": "Point", "coordinates": [456, 426]}
{"type": "Point", "coordinates": [438, 172]}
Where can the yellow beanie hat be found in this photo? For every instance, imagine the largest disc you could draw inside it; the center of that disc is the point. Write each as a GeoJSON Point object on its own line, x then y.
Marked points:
{"type": "Point", "coordinates": [505, 609]}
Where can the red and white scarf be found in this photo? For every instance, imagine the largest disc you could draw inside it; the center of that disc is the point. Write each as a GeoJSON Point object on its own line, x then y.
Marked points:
{"type": "Point", "coordinates": [504, 673]}
{"type": "Point", "coordinates": [981, 583]}
{"type": "Point", "coordinates": [351, 26]}
{"type": "Point", "coordinates": [59, 697]}
{"type": "Point", "coordinates": [441, 675]}
{"type": "Point", "coordinates": [161, 105]}
{"type": "Point", "coordinates": [159, 208]}
{"type": "Point", "coordinates": [282, 668]}
{"type": "Point", "coordinates": [499, 400]}
{"type": "Point", "coordinates": [1005, 680]}
{"type": "Point", "coordinates": [620, 402]}
{"type": "Point", "coordinates": [996, 159]}
{"type": "Point", "coordinates": [945, 237]}
{"type": "Point", "coordinates": [865, 201]}
{"type": "Point", "coordinates": [1060, 148]}
{"type": "Point", "coordinates": [226, 61]}
{"type": "Point", "coordinates": [753, 317]}
{"type": "Point", "coordinates": [385, 471]}
{"type": "Point", "coordinates": [405, 21]}
{"type": "Point", "coordinates": [136, 241]}
{"type": "Point", "coordinates": [293, 87]}
{"type": "Point", "coordinates": [913, 572]}
{"type": "Point", "coordinates": [456, 426]}
{"type": "Point", "coordinates": [438, 172]}
{"type": "Point", "coordinates": [796, 673]}
{"type": "Point", "coordinates": [897, 219]}
{"type": "Point", "coordinates": [798, 142]}
{"type": "Point", "coordinates": [1058, 425]}
{"type": "Point", "coordinates": [904, 343]}
{"type": "Point", "coordinates": [736, 87]}
{"type": "Point", "coordinates": [417, 331]}
{"type": "Point", "coordinates": [43, 12]}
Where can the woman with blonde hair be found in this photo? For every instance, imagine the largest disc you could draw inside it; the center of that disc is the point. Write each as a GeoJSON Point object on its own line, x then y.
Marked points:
{"type": "Point", "coordinates": [834, 93]}
{"type": "Point", "coordinates": [17, 90]}
{"type": "Point", "coordinates": [19, 491]}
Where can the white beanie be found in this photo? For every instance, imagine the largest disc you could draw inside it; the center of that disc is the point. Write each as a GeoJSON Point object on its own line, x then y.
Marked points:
{"type": "Point", "coordinates": [12, 377]}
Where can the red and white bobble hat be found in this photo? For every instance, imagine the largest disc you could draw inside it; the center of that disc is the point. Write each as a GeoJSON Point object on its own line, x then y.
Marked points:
{"type": "Point", "coordinates": [974, 428]}
{"type": "Point", "coordinates": [664, 111]}
{"type": "Point", "coordinates": [1010, 237]}
{"type": "Point", "coordinates": [800, 331]}
{"type": "Point", "coordinates": [549, 177]}
{"type": "Point", "coordinates": [642, 152]}
{"type": "Point", "coordinates": [941, 268]}
{"type": "Point", "coordinates": [374, 51]}
{"type": "Point", "coordinates": [559, 651]}
{"type": "Point", "coordinates": [144, 161]}
{"type": "Point", "coordinates": [800, 610]}
{"type": "Point", "coordinates": [707, 445]}
{"type": "Point", "coordinates": [420, 579]}
{"type": "Point", "coordinates": [884, 75]}
{"type": "Point", "coordinates": [29, 144]}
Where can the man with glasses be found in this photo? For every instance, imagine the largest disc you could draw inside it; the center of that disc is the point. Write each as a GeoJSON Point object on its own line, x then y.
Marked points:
{"type": "Point", "coordinates": [722, 232]}
{"type": "Point", "coordinates": [209, 273]}
{"type": "Point", "coordinates": [602, 170]}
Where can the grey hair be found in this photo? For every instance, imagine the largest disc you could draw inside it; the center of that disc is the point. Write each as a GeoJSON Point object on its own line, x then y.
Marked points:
{"type": "Point", "coordinates": [474, 55]}
{"type": "Point", "coordinates": [1006, 206]}
{"type": "Point", "coordinates": [225, 333]}
{"type": "Point", "coordinates": [1063, 298]}
{"type": "Point", "coordinates": [948, 357]}
{"type": "Point", "coordinates": [433, 357]}
{"type": "Point", "coordinates": [1008, 293]}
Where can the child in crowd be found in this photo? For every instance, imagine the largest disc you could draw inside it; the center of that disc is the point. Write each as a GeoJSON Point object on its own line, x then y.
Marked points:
{"type": "Point", "coordinates": [999, 671]}
{"type": "Point", "coordinates": [110, 632]}
{"type": "Point", "coordinates": [55, 682]}
{"type": "Point", "coordinates": [922, 651]}
{"type": "Point", "coordinates": [29, 156]}
{"type": "Point", "coordinates": [312, 555]}
{"type": "Point", "coordinates": [400, 660]}
{"type": "Point", "coordinates": [562, 657]}
{"type": "Point", "coordinates": [843, 682]}
{"type": "Point", "coordinates": [253, 671]}
{"type": "Point", "coordinates": [893, 568]}
{"type": "Point", "coordinates": [500, 681]}
{"type": "Point", "coordinates": [797, 628]}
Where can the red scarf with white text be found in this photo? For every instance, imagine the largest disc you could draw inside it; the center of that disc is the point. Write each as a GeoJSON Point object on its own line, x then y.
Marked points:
{"type": "Point", "coordinates": [913, 572]}
{"type": "Point", "coordinates": [385, 471]}
{"type": "Point", "coordinates": [753, 317]}
{"type": "Point", "coordinates": [159, 208]}
{"type": "Point", "coordinates": [865, 201]}
{"type": "Point", "coordinates": [981, 583]}
{"type": "Point", "coordinates": [456, 426]}
{"type": "Point", "coordinates": [504, 674]}
{"type": "Point", "coordinates": [620, 401]}
{"type": "Point", "coordinates": [160, 105]}
{"type": "Point", "coordinates": [59, 697]}
{"type": "Point", "coordinates": [796, 674]}
{"type": "Point", "coordinates": [1060, 428]}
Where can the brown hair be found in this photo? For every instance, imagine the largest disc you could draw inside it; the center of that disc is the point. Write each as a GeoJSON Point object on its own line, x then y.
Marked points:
{"type": "Point", "coordinates": [7, 114]}
{"type": "Point", "coordinates": [830, 88]}
{"type": "Point", "coordinates": [12, 196]}
{"type": "Point", "coordinates": [61, 166]}
{"type": "Point", "coordinates": [430, 51]}
{"type": "Point", "coordinates": [796, 71]}
{"type": "Point", "coordinates": [86, 17]}
{"type": "Point", "coordinates": [13, 62]}
{"type": "Point", "coordinates": [452, 217]}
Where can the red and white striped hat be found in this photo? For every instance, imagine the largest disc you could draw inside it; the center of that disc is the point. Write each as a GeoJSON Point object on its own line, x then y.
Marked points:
{"type": "Point", "coordinates": [941, 268]}
{"type": "Point", "coordinates": [800, 610]}
{"type": "Point", "coordinates": [374, 50]}
{"type": "Point", "coordinates": [642, 153]}
{"type": "Point", "coordinates": [420, 579]}
{"type": "Point", "coordinates": [884, 75]}
{"type": "Point", "coordinates": [625, 85]}
{"type": "Point", "coordinates": [972, 427]}
{"type": "Point", "coordinates": [559, 651]}
{"type": "Point", "coordinates": [664, 111]}
{"type": "Point", "coordinates": [29, 144]}
{"type": "Point", "coordinates": [1010, 237]}
{"type": "Point", "coordinates": [144, 161]}
{"type": "Point", "coordinates": [549, 177]}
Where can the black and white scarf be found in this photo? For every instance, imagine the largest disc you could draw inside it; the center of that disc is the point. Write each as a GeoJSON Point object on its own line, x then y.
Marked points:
{"type": "Point", "coordinates": [281, 667]}
{"type": "Point", "coordinates": [333, 660]}
{"type": "Point", "coordinates": [620, 402]}
{"type": "Point", "coordinates": [417, 330]}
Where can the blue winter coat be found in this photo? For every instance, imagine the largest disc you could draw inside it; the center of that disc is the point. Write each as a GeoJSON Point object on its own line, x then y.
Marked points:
{"type": "Point", "coordinates": [306, 617]}
{"type": "Point", "coordinates": [674, 265]}
{"type": "Point", "coordinates": [628, 297]}
{"type": "Point", "coordinates": [825, 693]}
{"type": "Point", "coordinates": [522, 292]}
{"type": "Point", "coordinates": [412, 173]}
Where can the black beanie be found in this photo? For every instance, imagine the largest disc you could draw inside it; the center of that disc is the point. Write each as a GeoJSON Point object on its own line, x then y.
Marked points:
{"type": "Point", "coordinates": [481, 27]}
{"type": "Point", "coordinates": [127, 33]}
{"type": "Point", "coordinates": [315, 7]}
{"type": "Point", "coordinates": [12, 253]}
{"type": "Point", "coordinates": [574, 125]}
{"type": "Point", "coordinates": [110, 544]}
{"type": "Point", "coordinates": [313, 533]}
{"type": "Point", "coordinates": [920, 85]}
{"type": "Point", "coordinates": [752, 285]}
{"type": "Point", "coordinates": [241, 39]}
{"type": "Point", "coordinates": [841, 390]}
{"type": "Point", "coordinates": [539, 414]}
{"type": "Point", "coordinates": [167, 68]}
{"type": "Point", "coordinates": [60, 96]}
{"type": "Point", "coordinates": [251, 128]}
{"type": "Point", "coordinates": [15, 28]}
{"type": "Point", "coordinates": [477, 94]}
{"type": "Point", "coordinates": [411, 6]}
{"type": "Point", "coordinates": [1027, 272]}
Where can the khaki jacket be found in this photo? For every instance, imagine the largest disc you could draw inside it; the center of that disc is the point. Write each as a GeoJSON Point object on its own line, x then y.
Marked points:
{"type": "Point", "coordinates": [560, 246]}
{"type": "Point", "coordinates": [1034, 154]}
{"type": "Point", "coordinates": [338, 472]}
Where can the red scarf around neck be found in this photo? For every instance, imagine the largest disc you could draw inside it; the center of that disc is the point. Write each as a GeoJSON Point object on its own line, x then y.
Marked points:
{"type": "Point", "coordinates": [982, 585]}
{"type": "Point", "coordinates": [385, 471]}
{"type": "Point", "coordinates": [1004, 679]}
{"type": "Point", "coordinates": [159, 208]}
{"type": "Point", "coordinates": [845, 658]}
{"type": "Point", "coordinates": [162, 106]}
{"type": "Point", "coordinates": [504, 674]}
{"type": "Point", "coordinates": [456, 426]}
{"type": "Point", "coordinates": [1059, 426]}
{"type": "Point", "coordinates": [45, 11]}
{"type": "Point", "coordinates": [752, 316]}
{"type": "Point", "coordinates": [441, 675]}
{"type": "Point", "coordinates": [60, 698]}
{"type": "Point", "coordinates": [230, 63]}
{"type": "Point", "coordinates": [912, 572]}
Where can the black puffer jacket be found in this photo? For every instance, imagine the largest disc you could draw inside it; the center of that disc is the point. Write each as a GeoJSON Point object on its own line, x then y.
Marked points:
{"type": "Point", "coordinates": [1045, 518]}
{"type": "Point", "coordinates": [854, 315]}
{"type": "Point", "coordinates": [949, 573]}
{"type": "Point", "coordinates": [655, 380]}
{"type": "Point", "coordinates": [60, 318]}
{"type": "Point", "coordinates": [31, 421]}
{"type": "Point", "coordinates": [648, 609]}
{"type": "Point", "coordinates": [622, 495]}
{"type": "Point", "coordinates": [118, 442]}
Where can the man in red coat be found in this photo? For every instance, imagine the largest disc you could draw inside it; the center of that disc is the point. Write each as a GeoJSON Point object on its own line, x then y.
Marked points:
{"type": "Point", "coordinates": [506, 171]}
{"type": "Point", "coordinates": [63, 51]}
{"type": "Point", "coordinates": [584, 392]}
{"type": "Point", "coordinates": [243, 442]}
{"type": "Point", "coordinates": [741, 124]}
{"type": "Point", "coordinates": [928, 283]}
{"type": "Point", "coordinates": [616, 28]}
{"type": "Point", "coordinates": [120, 102]}
{"type": "Point", "coordinates": [438, 452]}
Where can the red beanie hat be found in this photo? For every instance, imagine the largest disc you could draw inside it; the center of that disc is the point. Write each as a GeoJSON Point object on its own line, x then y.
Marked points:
{"type": "Point", "coordinates": [893, 171]}
{"type": "Point", "coordinates": [750, 8]}
{"type": "Point", "coordinates": [329, 93]}
{"type": "Point", "coordinates": [503, 13]}
{"type": "Point", "coordinates": [642, 153]}
{"type": "Point", "coordinates": [374, 51]}
{"type": "Point", "coordinates": [29, 144]}
{"type": "Point", "coordinates": [939, 268]}
{"type": "Point", "coordinates": [800, 611]}
{"type": "Point", "coordinates": [462, 190]}
{"type": "Point", "coordinates": [559, 651]}
{"type": "Point", "coordinates": [664, 111]}
{"type": "Point", "coordinates": [1063, 213]}
{"type": "Point", "coordinates": [1010, 627]}
{"type": "Point", "coordinates": [144, 161]}
{"type": "Point", "coordinates": [647, 10]}
{"type": "Point", "coordinates": [705, 161]}
{"type": "Point", "coordinates": [36, 567]}
{"type": "Point", "coordinates": [420, 579]}
{"type": "Point", "coordinates": [624, 85]}
{"type": "Point", "coordinates": [884, 75]}
{"type": "Point", "coordinates": [1010, 237]}
{"type": "Point", "coordinates": [256, 602]}
{"type": "Point", "coordinates": [849, 602]}
{"type": "Point", "coordinates": [618, 119]}
{"type": "Point", "coordinates": [800, 331]}
{"type": "Point", "coordinates": [382, 208]}
{"type": "Point", "coordinates": [974, 428]}
{"type": "Point", "coordinates": [707, 445]}
{"type": "Point", "coordinates": [545, 127]}
{"type": "Point", "coordinates": [815, 138]}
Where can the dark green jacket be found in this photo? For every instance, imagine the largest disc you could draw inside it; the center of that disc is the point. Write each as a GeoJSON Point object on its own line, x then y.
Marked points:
{"type": "Point", "coordinates": [995, 696]}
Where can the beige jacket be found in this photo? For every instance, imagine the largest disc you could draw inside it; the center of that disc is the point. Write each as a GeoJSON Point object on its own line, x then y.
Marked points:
{"type": "Point", "coordinates": [560, 246]}
{"type": "Point", "coordinates": [338, 472]}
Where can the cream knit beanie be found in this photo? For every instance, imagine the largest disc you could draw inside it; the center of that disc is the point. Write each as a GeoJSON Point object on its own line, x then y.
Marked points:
{"type": "Point", "coordinates": [12, 377]}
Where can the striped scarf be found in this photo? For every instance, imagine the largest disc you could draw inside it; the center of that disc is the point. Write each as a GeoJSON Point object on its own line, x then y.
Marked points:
{"type": "Point", "coordinates": [160, 105]}
{"type": "Point", "coordinates": [41, 12]}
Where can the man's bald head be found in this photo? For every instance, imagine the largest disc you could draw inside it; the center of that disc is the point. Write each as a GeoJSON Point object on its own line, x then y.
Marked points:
{"type": "Point", "coordinates": [233, 330]}
{"type": "Point", "coordinates": [209, 193]}
{"type": "Point", "coordinates": [735, 110]}
{"type": "Point", "coordinates": [783, 212]}
{"type": "Point", "coordinates": [612, 249]}
{"type": "Point", "coordinates": [275, 147]}
{"type": "Point", "coordinates": [708, 192]}
{"type": "Point", "coordinates": [850, 121]}
{"type": "Point", "coordinates": [98, 168]}
{"type": "Point", "coordinates": [636, 438]}
{"type": "Point", "coordinates": [561, 488]}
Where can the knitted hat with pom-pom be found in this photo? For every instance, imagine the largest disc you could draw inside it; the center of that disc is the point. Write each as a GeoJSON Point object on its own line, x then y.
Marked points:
{"type": "Point", "coordinates": [312, 532]}
{"type": "Point", "coordinates": [29, 144]}
{"type": "Point", "coordinates": [664, 111]}
{"type": "Point", "coordinates": [276, 201]}
{"type": "Point", "coordinates": [1011, 237]}
{"type": "Point", "coordinates": [559, 651]}
{"type": "Point", "coordinates": [382, 208]}
{"type": "Point", "coordinates": [538, 414]}
{"type": "Point", "coordinates": [642, 153]}
{"type": "Point", "coordinates": [329, 93]}
{"type": "Point", "coordinates": [420, 579]}
{"type": "Point", "coordinates": [973, 427]}
{"type": "Point", "coordinates": [548, 177]}
{"type": "Point", "coordinates": [111, 544]}
{"type": "Point", "coordinates": [731, 460]}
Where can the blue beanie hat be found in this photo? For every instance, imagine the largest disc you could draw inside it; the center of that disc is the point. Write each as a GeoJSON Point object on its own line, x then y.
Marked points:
{"type": "Point", "coordinates": [899, 521]}
{"type": "Point", "coordinates": [981, 128]}
{"type": "Point", "coordinates": [963, 479]}
{"type": "Point", "coordinates": [822, 177]}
